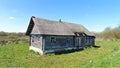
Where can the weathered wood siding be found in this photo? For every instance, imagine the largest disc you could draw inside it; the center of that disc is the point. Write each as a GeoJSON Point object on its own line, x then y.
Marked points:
{"type": "Point", "coordinates": [35, 30]}
{"type": "Point", "coordinates": [36, 41]}
{"type": "Point", "coordinates": [89, 40]}
{"type": "Point", "coordinates": [58, 42]}
{"type": "Point", "coordinates": [46, 42]}
{"type": "Point", "coordinates": [84, 42]}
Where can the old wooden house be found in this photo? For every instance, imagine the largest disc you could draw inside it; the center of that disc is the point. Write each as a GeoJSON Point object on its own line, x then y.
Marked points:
{"type": "Point", "coordinates": [50, 36]}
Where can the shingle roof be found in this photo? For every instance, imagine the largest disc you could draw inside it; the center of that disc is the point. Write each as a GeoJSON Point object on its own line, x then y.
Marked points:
{"type": "Point", "coordinates": [49, 27]}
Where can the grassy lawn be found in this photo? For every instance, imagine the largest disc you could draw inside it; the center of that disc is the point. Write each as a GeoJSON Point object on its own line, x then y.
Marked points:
{"type": "Point", "coordinates": [107, 56]}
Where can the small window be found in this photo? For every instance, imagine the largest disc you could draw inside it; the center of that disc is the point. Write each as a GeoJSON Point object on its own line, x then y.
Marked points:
{"type": "Point", "coordinates": [32, 39]}
{"type": "Point", "coordinates": [53, 39]}
{"type": "Point", "coordinates": [38, 38]}
{"type": "Point", "coordinates": [68, 40]}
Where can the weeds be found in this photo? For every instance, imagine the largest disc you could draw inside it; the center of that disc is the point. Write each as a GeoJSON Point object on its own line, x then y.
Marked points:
{"type": "Point", "coordinates": [18, 55]}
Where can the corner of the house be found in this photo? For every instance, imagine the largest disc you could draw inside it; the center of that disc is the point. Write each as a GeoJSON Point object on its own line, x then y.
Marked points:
{"type": "Point", "coordinates": [36, 50]}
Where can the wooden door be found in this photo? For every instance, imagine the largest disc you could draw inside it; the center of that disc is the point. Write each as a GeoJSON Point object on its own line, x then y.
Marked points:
{"type": "Point", "coordinates": [78, 41]}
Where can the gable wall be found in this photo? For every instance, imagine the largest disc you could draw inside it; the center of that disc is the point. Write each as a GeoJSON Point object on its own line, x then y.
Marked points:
{"type": "Point", "coordinates": [36, 41]}
{"type": "Point", "coordinates": [35, 30]}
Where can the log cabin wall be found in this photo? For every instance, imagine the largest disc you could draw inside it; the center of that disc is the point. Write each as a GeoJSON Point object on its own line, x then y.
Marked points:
{"type": "Point", "coordinates": [58, 42]}
{"type": "Point", "coordinates": [36, 41]}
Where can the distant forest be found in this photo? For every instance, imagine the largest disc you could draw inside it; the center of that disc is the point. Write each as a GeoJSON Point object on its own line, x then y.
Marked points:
{"type": "Point", "coordinates": [12, 38]}
{"type": "Point", "coordinates": [6, 38]}
{"type": "Point", "coordinates": [112, 34]}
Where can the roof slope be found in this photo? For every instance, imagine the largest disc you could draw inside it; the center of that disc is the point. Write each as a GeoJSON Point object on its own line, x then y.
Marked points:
{"type": "Point", "coordinates": [49, 27]}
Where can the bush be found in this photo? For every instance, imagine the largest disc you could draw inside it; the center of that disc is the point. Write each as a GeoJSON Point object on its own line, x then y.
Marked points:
{"type": "Point", "coordinates": [12, 38]}
{"type": "Point", "coordinates": [109, 34]}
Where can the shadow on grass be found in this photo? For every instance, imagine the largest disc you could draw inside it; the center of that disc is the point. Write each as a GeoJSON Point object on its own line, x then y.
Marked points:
{"type": "Point", "coordinates": [71, 51]}
{"type": "Point", "coordinates": [74, 50]}
{"type": "Point", "coordinates": [68, 51]}
{"type": "Point", "coordinates": [96, 46]}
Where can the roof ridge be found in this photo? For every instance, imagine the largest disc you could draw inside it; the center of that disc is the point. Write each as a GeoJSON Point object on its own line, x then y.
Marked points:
{"type": "Point", "coordinates": [46, 19]}
{"type": "Point", "coordinates": [52, 27]}
{"type": "Point", "coordinates": [56, 20]}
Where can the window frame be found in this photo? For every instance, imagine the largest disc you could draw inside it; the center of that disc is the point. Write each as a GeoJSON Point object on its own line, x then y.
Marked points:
{"type": "Point", "coordinates": [32, 39]}
{"type": "Point", "coordinates": [53, 39]}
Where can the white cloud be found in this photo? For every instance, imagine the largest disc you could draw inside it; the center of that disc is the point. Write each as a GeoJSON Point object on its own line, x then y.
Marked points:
{"type": "Point", "coordinates": [11, 18]}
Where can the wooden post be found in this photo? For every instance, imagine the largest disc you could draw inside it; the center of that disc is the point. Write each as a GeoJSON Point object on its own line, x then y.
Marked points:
{"type": "Point", "coordinates": [74, 41]}
{"type": "Point", "coordinates": [43, 44]}
{"type": "Point", "coordinates": [29, 40]}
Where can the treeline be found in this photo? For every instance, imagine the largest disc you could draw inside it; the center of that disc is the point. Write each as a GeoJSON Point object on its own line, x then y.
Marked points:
{"type": "Point", "coordinates": [7, 38]}
{"type": "Point", "coordinates": [12, 38]}
{"type": "Point", "coordinates": [109, 34]}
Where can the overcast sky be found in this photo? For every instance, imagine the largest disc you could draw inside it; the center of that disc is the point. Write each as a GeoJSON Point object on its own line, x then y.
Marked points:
{"type": "Point", "coordinates": [95, 15]}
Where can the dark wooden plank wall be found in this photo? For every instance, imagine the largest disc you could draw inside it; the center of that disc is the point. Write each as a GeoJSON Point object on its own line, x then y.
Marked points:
{"type": "Point", "coordinates": [60, 42]}
{"type": "Point", "coordinates": [89, 40]}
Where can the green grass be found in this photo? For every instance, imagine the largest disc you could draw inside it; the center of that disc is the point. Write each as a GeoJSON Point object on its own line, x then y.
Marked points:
{"type": "Point", "coordinates": [107, 56]}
